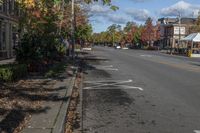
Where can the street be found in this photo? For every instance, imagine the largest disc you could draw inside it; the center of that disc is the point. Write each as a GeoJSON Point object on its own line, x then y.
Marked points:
{"type": "Point", "coordinates": [135, 91]}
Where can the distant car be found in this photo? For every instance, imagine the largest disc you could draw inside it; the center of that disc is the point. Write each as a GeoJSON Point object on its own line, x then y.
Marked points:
{"type": "Point", "coordinates": [125, 48]}
{"type": "Point", "coordinates": [117, 47]}
{"type": "Point", "coordinates": [87, 49]}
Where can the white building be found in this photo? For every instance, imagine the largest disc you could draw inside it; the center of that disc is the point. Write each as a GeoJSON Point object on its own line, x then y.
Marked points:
{"type": "Point", "coordinates": [9, 13]}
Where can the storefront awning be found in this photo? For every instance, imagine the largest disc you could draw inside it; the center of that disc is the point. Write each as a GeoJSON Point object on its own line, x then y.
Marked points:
{"type": "Point", "coordinates": [194, 37]}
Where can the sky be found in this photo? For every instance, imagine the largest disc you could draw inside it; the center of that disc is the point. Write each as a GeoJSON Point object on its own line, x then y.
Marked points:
{"type": "Point", "coordinates": [138, 11]}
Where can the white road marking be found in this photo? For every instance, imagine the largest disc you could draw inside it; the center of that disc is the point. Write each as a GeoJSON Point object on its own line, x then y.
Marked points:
{"type": "Point", "coordinates": [146, 55]}
{"type": "Point", "coordinates": [105, 81]}
{"type": "Point", "coordinates": [111, 84]}
{"type": "Point", "coordinates": [197, 131]}
{"type": "Point", "coordinates": [118, 83]}
{"type": "Point", "coordinates": [131, 87]}
{"type": "Point", "coordinates": [108, 83]}
{"type": "Point", "coordinates": [110, 67]}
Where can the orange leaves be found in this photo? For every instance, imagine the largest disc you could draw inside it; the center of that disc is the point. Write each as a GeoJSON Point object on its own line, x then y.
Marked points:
{"type": "Point", "coordinates": [27, 3]}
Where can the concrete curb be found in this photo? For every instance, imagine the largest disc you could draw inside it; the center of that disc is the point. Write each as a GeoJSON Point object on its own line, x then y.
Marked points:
{"type": "Point", "coordinates": [59, 126]}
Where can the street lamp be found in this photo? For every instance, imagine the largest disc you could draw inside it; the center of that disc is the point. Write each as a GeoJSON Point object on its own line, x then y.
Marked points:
{"type": "Point", "coordinates": [179, 25]}
{"type": "Point", "coordinates": [73, 29]}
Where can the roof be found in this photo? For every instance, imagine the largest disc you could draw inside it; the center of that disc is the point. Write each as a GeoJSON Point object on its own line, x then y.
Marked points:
{"type": "Point", "coordinates": [195, 37]}
{"type": "Point", "coordinates": [175, 20]}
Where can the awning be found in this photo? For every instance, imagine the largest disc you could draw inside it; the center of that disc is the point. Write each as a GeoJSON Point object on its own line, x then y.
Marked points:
{"type": "Point", "coordinates": [194, 37]}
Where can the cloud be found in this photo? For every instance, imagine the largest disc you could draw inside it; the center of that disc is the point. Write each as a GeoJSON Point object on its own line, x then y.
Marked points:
{"type": "Point", "coordinates": [98, 9]}
{"type": "Point", "coordinates": [139, 1]}
{"type": "Point", "coordinates": [118, 19]}
{"type": "Point", "coordinates": [100, 13]}
{"type": "Point", "coordinates": [182, 7]}
{"type": "Point", "coordinates": [138, 14]}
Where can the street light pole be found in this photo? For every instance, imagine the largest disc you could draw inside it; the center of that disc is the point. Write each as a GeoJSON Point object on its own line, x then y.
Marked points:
{"type": "Point", "coordinates": [179, 25]}
{"type": "Point", "coordinates": [73, 29]}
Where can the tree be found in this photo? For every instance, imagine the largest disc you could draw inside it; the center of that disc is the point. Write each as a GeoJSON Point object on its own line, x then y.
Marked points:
{"type": "Point", "coordinates": [148, 33]}
{"type": "Point", "coordinates": [43, 26]}
{"type": "Point", "coordinates": [83, 33]}
{"type": "Point", "coordinates": [196, 27]}
{"type": "Point", "coordinates": [114, 31]}
{"type": "Point", "coordinates": [129, 26]}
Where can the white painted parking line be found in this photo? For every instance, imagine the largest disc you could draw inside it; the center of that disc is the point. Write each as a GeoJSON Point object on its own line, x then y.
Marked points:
{"type": "Point", "coordinates": [106, 81]}
{"type": "Point", "coordinates": [109, 84]}
{"type": "Point", "coordinates": [119, 83]}
{"type": "Point", "coordinates": [146, 55]}
{"type": "Point", "coordinates": [197, 131]}
{"type": "Point", "coordinates": [131, 87]}
{"type": "Point", "coordinates": [109, 68]}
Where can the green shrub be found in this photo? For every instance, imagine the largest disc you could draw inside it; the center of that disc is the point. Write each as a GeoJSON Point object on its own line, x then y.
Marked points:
{"type": "Point", "coordinates": [56, 70]}
{"type": "Point", "coordinates": [12, 72]}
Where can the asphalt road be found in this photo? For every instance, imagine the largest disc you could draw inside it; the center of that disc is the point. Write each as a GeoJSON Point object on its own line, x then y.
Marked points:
{"type": "Point", "coordinates": [134, 91]}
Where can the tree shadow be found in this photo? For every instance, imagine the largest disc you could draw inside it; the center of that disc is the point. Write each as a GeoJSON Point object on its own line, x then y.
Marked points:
{"type": "Point", "coordinates": [15, 117]}
{"type": "Point", "coordinates": [17, 102]}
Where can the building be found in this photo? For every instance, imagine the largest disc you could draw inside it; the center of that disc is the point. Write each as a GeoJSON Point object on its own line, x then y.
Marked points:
{"type": "Point", "coordinates": [174, 29]}
{"type": "Point", "coordinates": [9, 12]}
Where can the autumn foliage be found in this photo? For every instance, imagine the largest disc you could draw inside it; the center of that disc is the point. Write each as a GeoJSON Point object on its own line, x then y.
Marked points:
{"type": "Point", "coordinates": [150, 33]}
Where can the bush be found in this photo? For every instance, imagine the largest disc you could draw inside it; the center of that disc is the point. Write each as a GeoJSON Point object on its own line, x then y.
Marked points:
{"type": "Point", "coordinates": [12, 72]}
{"type": "Point", "coordinates": [56, 70]}
{"type": "Point", "coordinates": [153, 48]}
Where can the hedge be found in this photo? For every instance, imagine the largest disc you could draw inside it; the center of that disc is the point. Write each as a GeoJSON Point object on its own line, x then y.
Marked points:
{"type": "Point", "coordinates": [12, 72]}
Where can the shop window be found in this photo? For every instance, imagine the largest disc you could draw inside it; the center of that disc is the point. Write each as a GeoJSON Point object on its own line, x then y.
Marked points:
{"type": "Point", "coordinates": [1, 5]}
{"type": "Point", "coordinates": [0, 36]}
{"type": "Point", "coordinates": [11, 7]}
{"type": "Point", "coordinates": [176, 41]}
{"type": "Point", "coordinates": [5, 6]}
{"type": "Point", "coordinates": [3, 36]}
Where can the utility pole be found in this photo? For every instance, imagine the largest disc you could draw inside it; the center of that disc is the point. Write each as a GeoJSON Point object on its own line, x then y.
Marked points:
{"type": "Point", "coordinates": [73, 29]}
{"type": "Point", "coordinates": [179, 25]}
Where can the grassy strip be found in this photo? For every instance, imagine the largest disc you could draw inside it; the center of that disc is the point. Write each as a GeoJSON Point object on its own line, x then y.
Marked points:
{"type": "Point", "coordinates": [56, 70]}
{"type": "Point", "coordinates": [12, 72]}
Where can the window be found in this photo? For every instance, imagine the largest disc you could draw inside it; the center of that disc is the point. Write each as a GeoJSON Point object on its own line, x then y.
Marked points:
{"type": "Point", "coordinates": [0, 36]}
{"type": "Point", "coordinates": [3, 40]}
{"type": "Point", "coordinates": [176, 41]}
{"type": "Point", "coordinates": [1, 5]}
{"type": "Point", "coordinates": [5, 6]}
{"type": "Point", "coordinates": [11, 7]}
{"type": "Point", "coordinates": [16, 8]}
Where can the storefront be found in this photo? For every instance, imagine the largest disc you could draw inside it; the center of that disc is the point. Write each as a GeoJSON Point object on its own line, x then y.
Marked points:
{"type": "Point", "coordinates": [193, 44]}
{"type": "Point", "coordinates": [8, 28]}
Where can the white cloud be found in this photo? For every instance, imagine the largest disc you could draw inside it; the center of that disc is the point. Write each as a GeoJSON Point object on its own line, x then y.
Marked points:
{"type": "Point", "coordinates": [182, 7]}
{"type": "Point", "coordinates": [140, 0]}
{"type": "Point", "coordinates": [97, 9]}
{"type": "Point", "coordinates": [118, 19]}
{"type": "Point", "coordinates": [101, 14]}
{"type": "Point", "coordinates": [138, 14]}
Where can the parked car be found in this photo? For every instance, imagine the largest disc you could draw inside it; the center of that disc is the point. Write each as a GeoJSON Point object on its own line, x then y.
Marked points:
{"type": "Point", "coordinates": [117, 47]}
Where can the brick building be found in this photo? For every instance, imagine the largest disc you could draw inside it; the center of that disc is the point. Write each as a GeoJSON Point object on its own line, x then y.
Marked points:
{"type": "Point", "coordinates": [9, 12]}
{"type": "Point", "coordinates": [172, 30]}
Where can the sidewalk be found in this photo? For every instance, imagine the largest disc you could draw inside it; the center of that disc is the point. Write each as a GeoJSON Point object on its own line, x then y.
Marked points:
{"type": "Point", "coordinates": [7, 61]}
{"type": "Point", "coordinates": [52, 120]}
